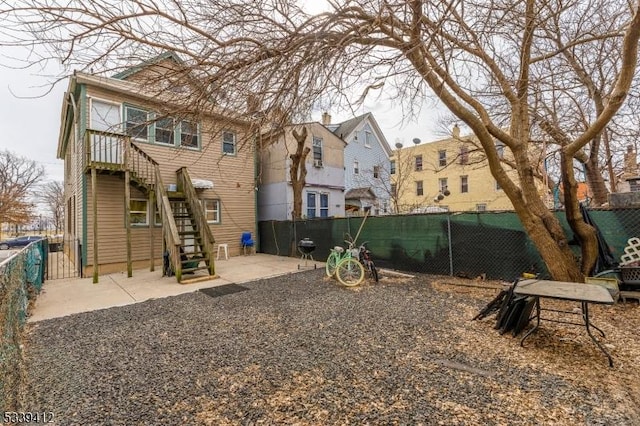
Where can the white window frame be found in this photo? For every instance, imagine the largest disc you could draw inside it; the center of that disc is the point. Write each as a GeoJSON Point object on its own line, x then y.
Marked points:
{"type": "Point", "coordinates": [392, 167]}
{"type": "Point", "coordinates": [144, 124]}
{"type": "Point", "coordinates": [233, 142]}
{"type": "Point", "coordinates": [418, 165]}
{"type": "Point", "coordinates": [172, 141]}
{"type": "Point", "coordinates": [317, 148]}
{"type": "Point", "coordinates": [215, 210]}
{"type": "Point", "coordinates": [145, 212]}
{"type": "Point", "coordinates": [115, 127]}
{"type": "Point", "coordinates": [356, 167]}
{"type": "Point", "coordinates": [195, 134]}
{"type": "Point", "coordinates": [464, 184]}
{"type": "Point", "coordinates": [481, 207]}
{"type": "Point", "coordinates": [321, 209]}
{"type": "Point", "coordinates": [368, 137]}
{"type": "Point", "coordinates": [442, 157]}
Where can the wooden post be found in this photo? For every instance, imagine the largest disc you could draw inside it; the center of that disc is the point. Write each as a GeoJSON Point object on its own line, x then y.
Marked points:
{"type": "Point", "coordinates": [127, 218]}
{"type": "Point", "coordinates": [152, 228]}
{"type": "Point", "coordinates": [94, 196]}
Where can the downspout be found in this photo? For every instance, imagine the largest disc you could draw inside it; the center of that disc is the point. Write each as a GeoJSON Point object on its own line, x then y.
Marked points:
{"type": "Point", "coordinates": [255, 190]}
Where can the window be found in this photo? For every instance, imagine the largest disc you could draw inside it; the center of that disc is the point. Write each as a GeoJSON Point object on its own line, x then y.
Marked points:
{"type": "Point", "coordinates": [311, 205]}
{"type": "Point", "coordinates": [189, 134]}
{"type": "Point", "coordinates": [229, 143]}
{"type": "Point", "coordinates": [324, 205]}
{"type": "Point", "coordinates": [105, 116]}
{"type": "Point", "coordinates": [164, 131]}
{"type": "Point", "coordinates": [442, 158]}
{"type": "Point", "coordinates": [138, 212]}
{"type": "Point", "coordinates": [419, 188]}
{"type": "Point", "coordinates": [317, 148]}
{"type": "Point", "coordinates": [376, 172]}
{"type": "Point", "coordinates": [356, 168]}
{"type": "Point", "coordinates": [481, 207]}
{"type": "Point", "coordinates": [211, 210]}
{"type": "Point", "coordinates": [418, 163]}
{"type": "Point", "coordinates": [368, 138]}
{"type": "Point", "coordinates": [392, 167]}
{"type": "Point", "coordinates": [394, 189]}
{"type": "Point", "coordinates": [464, 154]}
{"type": "Point", "coordinates": [443, 184]}
{"type": "Point", "coordinates": [464, 184]}
{"type": "Point", "coordinates": [136, 123]}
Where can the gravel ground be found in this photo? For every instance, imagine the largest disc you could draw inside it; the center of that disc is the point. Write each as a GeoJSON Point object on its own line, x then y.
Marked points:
{"type": "Point", "coordinates": [300, 349]}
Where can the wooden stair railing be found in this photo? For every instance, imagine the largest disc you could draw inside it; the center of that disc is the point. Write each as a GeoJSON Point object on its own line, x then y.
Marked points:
{"type": "Point", "coordinates": [169, 227]}
{"type": "Point", "coordinates": [186, 187]}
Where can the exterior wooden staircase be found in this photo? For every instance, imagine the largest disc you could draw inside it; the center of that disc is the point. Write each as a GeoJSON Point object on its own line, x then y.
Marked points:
{"type": "Point", "coordinates": [187, 239]}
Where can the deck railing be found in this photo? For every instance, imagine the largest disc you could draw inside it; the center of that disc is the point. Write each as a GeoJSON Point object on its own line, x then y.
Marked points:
{"type": "Point", "coordinates": [186, 187]}
{"type": "Point", "coordinates": [169, 227]}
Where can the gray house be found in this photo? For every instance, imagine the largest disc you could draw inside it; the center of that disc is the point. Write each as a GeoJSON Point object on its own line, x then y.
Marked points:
{"type": "Point", "coordinates": [366, 164]}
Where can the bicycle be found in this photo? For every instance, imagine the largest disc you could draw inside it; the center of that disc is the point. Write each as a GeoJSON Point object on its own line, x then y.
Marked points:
{"type": "Point", "coordinates": [364, 255]}
{"type": "Point", "coordinates": [338, 254]}
{"type": "Point", "coordinates": [345, 265]}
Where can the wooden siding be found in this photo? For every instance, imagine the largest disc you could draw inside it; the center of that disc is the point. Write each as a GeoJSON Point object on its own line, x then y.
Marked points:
{"type": "Point", "coordinates": [112, 241]}
{"type": "Point", "coordinates": [232, 175]}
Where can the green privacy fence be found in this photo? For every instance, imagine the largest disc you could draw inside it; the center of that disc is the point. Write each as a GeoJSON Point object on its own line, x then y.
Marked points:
{"type": "Point", "coordinates": [466, 244]}
{"type": "Point", "coordinates": [21, 278]}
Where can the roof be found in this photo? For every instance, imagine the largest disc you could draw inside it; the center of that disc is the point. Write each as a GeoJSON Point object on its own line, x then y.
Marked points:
{"type": "Point", "coordinates": [344, 129]}
{"type": "Point", "coordinates": [136, 68]}
{"type": "Point", "coordinates": [359, 194]}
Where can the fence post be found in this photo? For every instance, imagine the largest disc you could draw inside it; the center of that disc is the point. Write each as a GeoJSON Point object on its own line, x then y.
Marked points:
{"type": "Point", "coordinates": [450, 245]}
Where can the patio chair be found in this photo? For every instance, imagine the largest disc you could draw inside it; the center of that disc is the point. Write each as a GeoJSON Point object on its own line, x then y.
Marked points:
{"type": "Point", "coordinates": [246, 241]}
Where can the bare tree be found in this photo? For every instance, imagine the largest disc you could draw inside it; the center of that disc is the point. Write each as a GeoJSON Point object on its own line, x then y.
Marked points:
{"type": "Point", "coordinates": [18, 177]}
{"type": "Point", "coordinates": [298, 170]}
{"type": "Point", "coordinates": [484, 61]}
{"type": "Point", "coordinates": [51, 194]}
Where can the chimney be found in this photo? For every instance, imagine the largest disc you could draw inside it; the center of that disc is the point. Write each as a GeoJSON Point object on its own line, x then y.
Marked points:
{"type": "Point", "coordinates": [326, 118]}
{"type": "Point", "coordinates": [630, 163]}
{"type": "Point", "coordinates": [456, 131]}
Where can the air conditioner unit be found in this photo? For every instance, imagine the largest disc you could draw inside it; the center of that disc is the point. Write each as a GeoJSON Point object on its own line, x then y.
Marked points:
{"type": "Point", "coordinates": [317, 163]}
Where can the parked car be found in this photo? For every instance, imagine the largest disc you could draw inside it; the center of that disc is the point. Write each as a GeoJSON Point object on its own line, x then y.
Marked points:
{"type": "Point", "coordinates": [18, 242]}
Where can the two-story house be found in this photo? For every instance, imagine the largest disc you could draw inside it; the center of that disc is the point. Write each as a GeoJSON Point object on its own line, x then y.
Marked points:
{"type": "Point", "coordinates": [366, 161]}
{"type": "Point", "coordinates": [449, 174]}
{"type": "Point", "coordinates": [149, 180]}
{"type": "Point", "coordinates": [323, 194]}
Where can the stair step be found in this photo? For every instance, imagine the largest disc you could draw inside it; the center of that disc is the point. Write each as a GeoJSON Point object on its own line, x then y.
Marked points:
{"type": "Point", "coordinates": [199, 268]}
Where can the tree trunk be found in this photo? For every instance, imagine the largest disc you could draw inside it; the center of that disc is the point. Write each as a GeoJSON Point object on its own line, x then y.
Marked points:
{"type": "Point", "coordinates": [298, 171]}
{"type": "Point", "coordinates": [584, 233]}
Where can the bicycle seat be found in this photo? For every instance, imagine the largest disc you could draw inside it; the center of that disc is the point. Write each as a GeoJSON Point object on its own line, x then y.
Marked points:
{"type": "Point", "coordinates": [338, 249]}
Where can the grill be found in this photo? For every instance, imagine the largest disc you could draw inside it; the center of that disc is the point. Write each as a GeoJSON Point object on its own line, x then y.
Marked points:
{"type": "Point", "coordinates": [306, 246]}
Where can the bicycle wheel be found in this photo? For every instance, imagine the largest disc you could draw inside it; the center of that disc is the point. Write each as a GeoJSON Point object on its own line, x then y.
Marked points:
{"type": "Point", "coordinates": [350, 272]}
{"type": "Point", "coordinates": [374, 271]}
{"type": "Point", "coordinates": [332, 263]}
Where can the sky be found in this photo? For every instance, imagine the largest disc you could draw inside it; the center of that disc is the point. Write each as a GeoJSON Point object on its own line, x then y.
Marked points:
{"type": "Point", "coordinates": [30, 110]}
{"type": "Point", "coordinates": [30, 118]}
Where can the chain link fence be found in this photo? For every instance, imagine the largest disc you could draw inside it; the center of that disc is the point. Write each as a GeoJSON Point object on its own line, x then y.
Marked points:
{"type": "Point", "coordinates": [21, 278]}
{"type": "Point", "coordinates": [469, 244]}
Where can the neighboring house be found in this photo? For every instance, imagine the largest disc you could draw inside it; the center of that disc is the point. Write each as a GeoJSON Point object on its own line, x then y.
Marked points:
{"type": "Point", "coordinates": [627, 182]}
{"type": "Point", "coordinates": [323, 195]}
{"type": "Point", "coordinates": [142, 180]}
{"type": "Point", "coordinates": [366, 163]}
{"type": "Point", "coordinates": [449, 174]}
